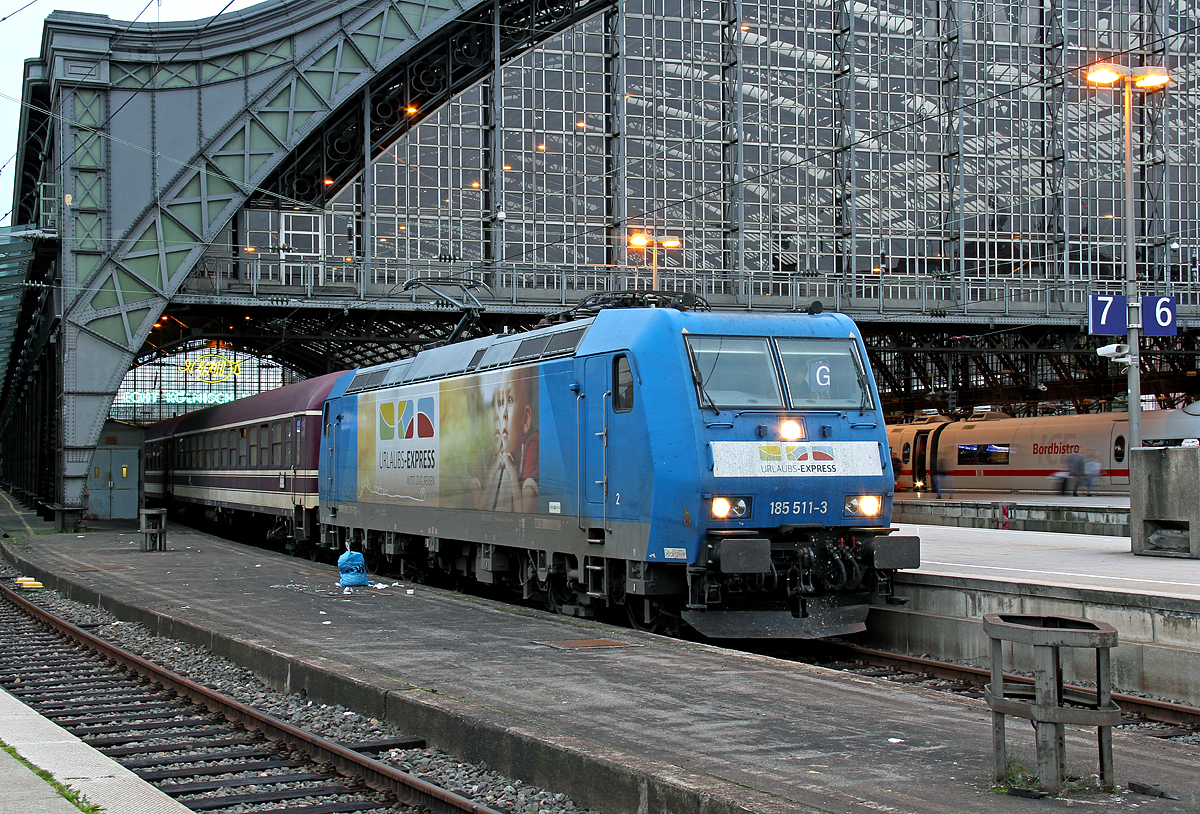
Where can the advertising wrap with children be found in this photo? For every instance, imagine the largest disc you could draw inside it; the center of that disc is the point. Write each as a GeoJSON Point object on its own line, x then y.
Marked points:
{"type": "Point", "coordinates": [468, 443]}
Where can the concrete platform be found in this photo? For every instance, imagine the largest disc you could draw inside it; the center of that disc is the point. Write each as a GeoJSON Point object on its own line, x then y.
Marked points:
{"type": "Point", "coordinates": [1153, 602]}
{"type": "Point", "coordinates": [634, 723]}
{"type": "Point", "coordinates": [71, 762]}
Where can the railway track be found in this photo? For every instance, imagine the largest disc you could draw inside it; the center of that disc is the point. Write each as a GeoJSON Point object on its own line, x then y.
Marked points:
{"type": "Point", "coordinates": [1177, 719]}
{"type": "Point", "coordinates": [208, 751]}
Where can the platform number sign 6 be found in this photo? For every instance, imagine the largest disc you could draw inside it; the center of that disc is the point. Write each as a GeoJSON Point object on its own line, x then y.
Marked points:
{"type": "Point", "coordinates": [1158, 316]}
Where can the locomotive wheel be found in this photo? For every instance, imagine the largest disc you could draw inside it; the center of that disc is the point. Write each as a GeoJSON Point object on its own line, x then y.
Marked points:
{"type": "Point", "coordinates": [558, 594]}
{"type": "Point", "coordinates": [659, 621]}
{"type": "Point", "coordinates": [371, 559]}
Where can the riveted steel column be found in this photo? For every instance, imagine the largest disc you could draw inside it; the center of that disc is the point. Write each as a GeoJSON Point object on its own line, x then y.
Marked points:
{"type": "Point", "coordinates": [733, 145]}
{"type": "Point", "coordinates": [845, 171]}
{"type": "Point", "coordinates": [616, 128]}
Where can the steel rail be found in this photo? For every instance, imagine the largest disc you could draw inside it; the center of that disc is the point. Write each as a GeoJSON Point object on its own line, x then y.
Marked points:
{"type": "Point", "coordinates": [374, 774]}
{"type": "Point", "coordinates": [1151, 708]}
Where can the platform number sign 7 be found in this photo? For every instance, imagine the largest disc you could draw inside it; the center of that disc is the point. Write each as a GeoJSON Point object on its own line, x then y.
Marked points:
{"type": "Point", "coordinates": [1158, 316]}
{"type": "Point", "coordinates": [1107, 315]}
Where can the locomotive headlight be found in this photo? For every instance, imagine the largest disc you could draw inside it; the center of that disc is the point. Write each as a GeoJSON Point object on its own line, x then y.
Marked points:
{"type": "Point", "coordinates": [735, 507]}
{"type": "Point", "coordinates": [791, 430]}
{"type": "Point", "coordinates": [863, 505]}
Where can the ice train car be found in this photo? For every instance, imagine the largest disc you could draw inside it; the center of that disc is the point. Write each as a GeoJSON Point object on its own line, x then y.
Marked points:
{"type": "Point", "coordinates": [991, 451]}
{"type": "Point", "coordinates": [727, 472]}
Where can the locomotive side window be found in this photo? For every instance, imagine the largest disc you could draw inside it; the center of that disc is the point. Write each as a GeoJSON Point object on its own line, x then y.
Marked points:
{"type": "Point", "coordinates": [824, 373]}
{"type": "Point", "coordinates": [734, 371]}
{"type": "Point", "coordinates": [1119, 449]}
{"type": "Point", "coordinates": [622, 399]}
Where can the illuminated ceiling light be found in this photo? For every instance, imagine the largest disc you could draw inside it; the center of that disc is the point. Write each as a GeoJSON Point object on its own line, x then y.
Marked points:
{"type": "Point", "coordinates": [508, 166]}
{"type": "Point", "coordinates": [383, 240]}
{"type": "Point", "coordinates": [248, 249]}
{"type": "Point", "coordinates": [328, 182]}
{"type": "Point", "coordinates": [542, 147]}
{"type": "Point", "coordinates": [475, 184]}
{"type": "Point", "coordinates": [581, 124]}
{"type": "Point", "coordinates": [410, 110]}
{"type": "Point", "coordinates": [669, 243]}
{"type": "Point", "coordinates": [745, 27]}
{"type": "Point", "coordinates": [639, 240]}
{"type": "Point", "coordinates": [403, 227]}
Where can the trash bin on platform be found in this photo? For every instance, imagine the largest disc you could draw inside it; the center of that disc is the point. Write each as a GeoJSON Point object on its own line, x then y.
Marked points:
{"type": "Point", "coordinates": [1046, 704]}
{"type": "Point", "coordinates": [152, 523]}
{"type": "Point", "coordinates": [1164, 515]}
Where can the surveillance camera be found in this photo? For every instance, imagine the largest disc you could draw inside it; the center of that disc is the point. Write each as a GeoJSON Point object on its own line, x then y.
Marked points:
{"type": "Point", "coordinates": [501, 215]}
{"type": "Point", "coordinates": [1114, 352]}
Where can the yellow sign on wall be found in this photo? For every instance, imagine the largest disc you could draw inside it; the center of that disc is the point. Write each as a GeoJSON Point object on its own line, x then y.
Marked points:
{"type": "Point", "coordinates": [212, 368]}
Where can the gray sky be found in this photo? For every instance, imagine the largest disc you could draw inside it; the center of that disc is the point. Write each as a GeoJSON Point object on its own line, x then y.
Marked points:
{"type": "Point", "coordinates": [21, 34]}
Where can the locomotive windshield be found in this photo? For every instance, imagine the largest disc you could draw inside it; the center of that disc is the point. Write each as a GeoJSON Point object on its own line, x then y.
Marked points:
{"type": "Point", "coordinates": [740, 372]}
{"type": "Point", "coordinates": [735, 371]}
{"type": "Point", "coordinates": [826, 374]}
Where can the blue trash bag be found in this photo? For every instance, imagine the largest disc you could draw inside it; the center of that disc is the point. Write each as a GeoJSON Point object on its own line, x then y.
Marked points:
{"type": "Point", "coordinates": [353, 569]}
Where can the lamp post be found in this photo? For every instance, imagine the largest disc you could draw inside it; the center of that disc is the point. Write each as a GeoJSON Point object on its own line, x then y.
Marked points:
{"type": "Point", "coordinates": [642, 241]}
{"type": "Point", "coordinates": [1147, 79]}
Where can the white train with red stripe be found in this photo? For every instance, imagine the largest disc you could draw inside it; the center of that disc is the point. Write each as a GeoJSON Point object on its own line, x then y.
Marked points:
{"type": "Point", "coordinates": [994, 452]}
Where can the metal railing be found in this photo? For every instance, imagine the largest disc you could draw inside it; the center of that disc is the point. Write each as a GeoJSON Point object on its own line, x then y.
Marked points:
{"type": "Point", "coordinates": [505, 284]}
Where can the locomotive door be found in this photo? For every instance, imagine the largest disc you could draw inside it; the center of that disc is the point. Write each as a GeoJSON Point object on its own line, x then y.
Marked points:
{"type": "Point", "coordinates": [594, 443]}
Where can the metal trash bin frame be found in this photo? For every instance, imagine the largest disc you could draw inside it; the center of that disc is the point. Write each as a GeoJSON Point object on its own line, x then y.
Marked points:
{"type": "Point", "coordinates": [1046, 634]}
{"type": "Point", "coordinates": [152, 523]}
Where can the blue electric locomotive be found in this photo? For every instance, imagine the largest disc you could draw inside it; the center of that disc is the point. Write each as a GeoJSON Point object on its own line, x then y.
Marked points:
{"type": "Point", "coordinates": [728, 472]}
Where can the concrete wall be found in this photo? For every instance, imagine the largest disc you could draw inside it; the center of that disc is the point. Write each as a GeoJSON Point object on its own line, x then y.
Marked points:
{"type": "Point", "coordinates": [1158, 651]}
{"type": "Point", "coordinates": [1164, 501]}
{"type": "Point", "coordinates": [1065, 519]}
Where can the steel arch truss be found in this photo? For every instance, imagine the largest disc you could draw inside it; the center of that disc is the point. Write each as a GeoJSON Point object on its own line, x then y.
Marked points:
{"type": "Point", "coordinates": [260, 106]}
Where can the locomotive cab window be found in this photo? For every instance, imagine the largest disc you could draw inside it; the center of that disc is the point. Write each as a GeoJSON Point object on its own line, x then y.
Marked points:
{"type": "Point", "coordinates": [622, 399]}
{"type": "Point", "coordinates": [827, 374]}
{"type": "Point", "coordinates": [734, 372]}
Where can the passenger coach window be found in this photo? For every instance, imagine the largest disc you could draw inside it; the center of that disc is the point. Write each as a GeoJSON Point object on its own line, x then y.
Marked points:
{"type": "Point", "coordinates": [983, 454]}
{"type": "Point", "coordinates": [622, 399]}
{"type": "Point", "coordinates": [1119, 449]}
{"type": "Point", "coordinates": [907, 452]}
{"type": "Point", "coordinates": [734, 371]}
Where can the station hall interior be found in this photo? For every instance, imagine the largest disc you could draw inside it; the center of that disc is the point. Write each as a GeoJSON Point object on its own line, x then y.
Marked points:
{"type": "Point", "coordinates": [204, 209]}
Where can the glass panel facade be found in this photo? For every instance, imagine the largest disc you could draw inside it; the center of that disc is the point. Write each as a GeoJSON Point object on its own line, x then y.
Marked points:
{"type": "Point", "coordinates": [912, 138]}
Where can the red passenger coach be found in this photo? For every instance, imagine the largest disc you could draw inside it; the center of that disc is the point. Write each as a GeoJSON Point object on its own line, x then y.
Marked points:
{"type": "Point", "coordinates": [256, 455]}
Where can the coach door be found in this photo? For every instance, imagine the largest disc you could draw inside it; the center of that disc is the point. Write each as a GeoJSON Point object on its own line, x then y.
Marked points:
{"type": "Point", "coordinates": [1118, 455]}
{"type": "Point", "coordinates": [920, 461]}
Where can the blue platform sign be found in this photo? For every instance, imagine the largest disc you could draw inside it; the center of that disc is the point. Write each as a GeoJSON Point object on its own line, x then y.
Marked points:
{"type": "Point", "coordinates": [1107, 315]}
{"type": "Point", "coordinates": [1158, 316]}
